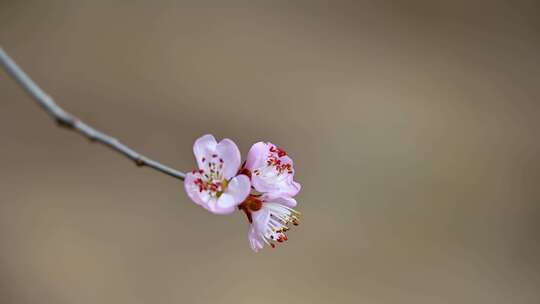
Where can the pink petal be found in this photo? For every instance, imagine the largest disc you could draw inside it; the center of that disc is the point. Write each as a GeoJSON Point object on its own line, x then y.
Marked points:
{"type": "Point", "coordinates": [262, 186]}
{"type": "Point", "coordinates": [287, 186]}
{"type": "Point", "coordinates": [256, 156]}
{"type": "Point", "coordinates": [280, 199]}
{"type": "Point", "coordinates": [292, 188]}
{"type": "Point", "coordinates": [192, 190]}
{"type": "Point", "coordinates": [229, 153]}
{"type": "Point", "coordinates": [254, 241]}
{"type": "Point", "coordinates": [261, 219]}
{"type": "Point", "coordinates": [204, 146]}
{"type": "Point", "coordinates": [239, 188]}
{"type": "Point", "coordinates": [225, 204]}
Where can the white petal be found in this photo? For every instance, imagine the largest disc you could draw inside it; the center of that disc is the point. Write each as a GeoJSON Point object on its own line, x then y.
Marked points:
{"type": "Point", "coordinates": [204, 146]}
{"type": "Point", "coordinates": [225, 204]}
{"type": "Point", "coordinates": [229, 153]}
{"type": "Point", "coordinates": [256, 156]}
{"type": "Point", "coordinates": [239, 187]}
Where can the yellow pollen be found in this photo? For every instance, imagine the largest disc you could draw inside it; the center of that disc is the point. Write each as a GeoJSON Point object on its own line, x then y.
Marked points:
{"type": "Point", "coordinates": [224, 184]}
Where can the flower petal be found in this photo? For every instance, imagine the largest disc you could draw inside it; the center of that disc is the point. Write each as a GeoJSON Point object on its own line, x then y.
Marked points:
{"type": "Point", "coordinates": [192, 190]}
{"type": "Point", "coordinates": [239, 188]}
{"type": "Point", "coordinates": [256, 156]}
{"type": "Point", "coordinates": [292, 188]}
{"type": "Point", "coordinates": [286, 186]}
{"type": "Point", "coordinates": [262, 186]}
{"type": "Point", "coordinates": [254, 240]}
{"type": "Point", "coordinates": [280, 198]}
{"type": "Point", "coordinates": [225, 204]}
{"type": "Point", "coordinates": [229, 153]}
{"type": "Point", "coordinates": [204, 146]}
{"type": "Point", "coordinates": [261, 219]}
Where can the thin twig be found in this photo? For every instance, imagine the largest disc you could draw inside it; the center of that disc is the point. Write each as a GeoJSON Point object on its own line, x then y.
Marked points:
{"type": "Point", "coordinates": [68, 121]}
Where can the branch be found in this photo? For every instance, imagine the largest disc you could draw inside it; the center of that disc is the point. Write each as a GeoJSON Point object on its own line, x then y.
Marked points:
{"type": "Point", "coordinates": [68, 121]}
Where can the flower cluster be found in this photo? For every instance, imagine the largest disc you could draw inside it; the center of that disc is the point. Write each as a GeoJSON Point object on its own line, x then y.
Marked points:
{"type": "Point", "coordinates": [263, 187]}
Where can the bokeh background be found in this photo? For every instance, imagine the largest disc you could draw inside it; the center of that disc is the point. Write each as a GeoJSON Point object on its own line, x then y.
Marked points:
{"type": "Point", "coordinates": [414, 126]}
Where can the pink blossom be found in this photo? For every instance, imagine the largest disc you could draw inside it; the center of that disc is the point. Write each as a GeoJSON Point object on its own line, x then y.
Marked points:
{"type": "Point", "coordinates": [271, 170]}
{"type": "Point", "coordinates": [269, 216]}
{"type": "Point", "coordinates": [215, 185]}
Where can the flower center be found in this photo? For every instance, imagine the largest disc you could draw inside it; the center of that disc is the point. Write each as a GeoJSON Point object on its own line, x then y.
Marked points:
{"type": "Point", "coordinates": [211, 179]}
{"type": "Point", "coordinates": [275, 168]}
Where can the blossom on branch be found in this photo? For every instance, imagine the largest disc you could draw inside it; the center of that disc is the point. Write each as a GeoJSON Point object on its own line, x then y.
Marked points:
{"type": "Point", "coordinates": [270, 217]}
{"type": "Point", "coordinates": [263, 188]}
{"type": "Point", "coordinates": [215, 185]}
{"type": "Point", "coordinates": [271, 169]}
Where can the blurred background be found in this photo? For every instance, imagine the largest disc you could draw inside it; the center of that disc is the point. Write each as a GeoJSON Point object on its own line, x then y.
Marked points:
{"type": "Point", "coordinates": [414, 128]}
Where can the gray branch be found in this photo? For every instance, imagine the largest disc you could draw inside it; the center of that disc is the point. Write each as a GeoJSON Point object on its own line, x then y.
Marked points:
{"type": "Point", "coordinates": [68, 121]}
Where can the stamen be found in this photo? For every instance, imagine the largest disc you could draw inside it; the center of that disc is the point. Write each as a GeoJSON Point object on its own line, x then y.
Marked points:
{"type": "Point", "coordinates": [211, 179]}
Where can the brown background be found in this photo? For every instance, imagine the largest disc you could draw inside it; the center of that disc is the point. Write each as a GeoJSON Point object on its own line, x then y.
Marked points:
{"type": "Point", "coordinates": [415, 130]}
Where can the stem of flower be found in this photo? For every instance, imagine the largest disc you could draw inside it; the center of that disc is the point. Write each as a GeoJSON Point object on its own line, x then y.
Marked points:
{"type": "Point", "coordinates": [70, 122]}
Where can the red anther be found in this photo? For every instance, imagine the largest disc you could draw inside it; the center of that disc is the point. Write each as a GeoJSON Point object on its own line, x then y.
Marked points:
{"type": "Point", "coordinates": [214, 155]}
{"type": "Point", "coordinates": [285, 238]}
{"type": "Point", "coordinates": [272, 245]}
{"type": "Point", "coordinates": [204, 159]}
{"type": "Point", "coordinates": [221, 160]}
{"type": "Point", "coordinates": [280, 152]}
